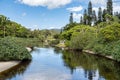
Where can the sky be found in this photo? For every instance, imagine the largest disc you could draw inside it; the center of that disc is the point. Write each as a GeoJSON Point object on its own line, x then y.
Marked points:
{"type": "Point", "coordinates": [48, 14]}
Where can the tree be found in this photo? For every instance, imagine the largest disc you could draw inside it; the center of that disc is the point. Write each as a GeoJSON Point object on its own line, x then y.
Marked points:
{"type": "Point", "coordinates": [3, 22]}
{"type": "Point", "coordinates": [71, 18]}
{"type": "Point", "coordinates": [94, 17]}
{"type": "Point", "coordinates": [108, 17]}
{"type": "Point", "coordinates": [85, 20]}
{"type": "Point", "coordinates": [81, 19]}
{"type": "Point", "coordinates": [109, 7]}
{"type": "Point", "coordinates": [99, 15]}
{"type": "Point", "coordinates": [89, 13]}
{"type": "Point", "coordinates": [119, 15]}
{"type": "Point", "coordinates": [90, 9]}
{"type": "Point", "coordinates": [104, 13]}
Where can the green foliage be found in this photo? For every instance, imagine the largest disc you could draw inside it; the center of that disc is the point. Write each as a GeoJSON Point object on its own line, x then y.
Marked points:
{"type": "Point", "coordinates": [80, 40]}
{"type": "Point", "coordinates": [116, 50]}
{"type": "Point", "coordinates": [10, 50]}
{"type": "Point", "coordinates": [54, 42]}
{"type": "Point", "coordinates": [102, 39]}
{"type": "Point", "coordinates": [69, 26]}
{"type": "Point", "coordinates": [56, 36]}
{"type": "Point", "coordinates": [108, 17]}
{"type": "Point", "coordinates": [28, 42]}
{"type": "Point", "coordinates": [68, 33]}
{"type": "Point", "coordinates": [110, 32]}
{"type": "Point", "coordinates": [110, 7]}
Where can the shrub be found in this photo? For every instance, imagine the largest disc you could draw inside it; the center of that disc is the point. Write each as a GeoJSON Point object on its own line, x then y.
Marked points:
{"type": "Point", "coordinates": [54, 42]}
{"type": "Point", "coordinates": [11, 50]}
{"type": "Point", "coordinates": [80, 40]}
{"type": "Point", "coordinates": [110, 32]}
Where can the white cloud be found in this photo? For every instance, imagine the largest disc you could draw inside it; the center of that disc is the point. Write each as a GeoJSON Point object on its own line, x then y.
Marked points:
{"type": "Point", "coordinates": [24, 14]}
{"type": "Point", "coordinates": [35, 27]}
{"type": "Point", "coordinates": [116, 7]}
{"type": "Point", "coordinates": [75, 9]}
{"type": "Point", "coordinates": [46, 3]}
{"type": "Point", "coordinates": [77, 16]}
{"type": "Point", "coordinates": [99, 2]}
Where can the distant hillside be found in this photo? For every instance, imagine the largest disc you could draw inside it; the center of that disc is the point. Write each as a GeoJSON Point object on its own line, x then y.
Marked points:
{"type": "Point", "coordinates": [56, 30]}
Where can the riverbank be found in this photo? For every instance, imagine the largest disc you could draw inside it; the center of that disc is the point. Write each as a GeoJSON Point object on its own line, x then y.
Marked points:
{"type": "Point", "coordinates": [7, 65]}
{"type": "Point", "coordinates": [86, 51]}
{"type": "Point", "coordinates": [93, 53]}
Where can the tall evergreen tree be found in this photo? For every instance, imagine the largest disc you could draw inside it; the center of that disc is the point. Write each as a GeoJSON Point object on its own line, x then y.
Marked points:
{"type": "Point", "coordinates": [104, 13]}
{"type": "Point", "coordinates": [81, 19]}
{"type": "Point", "coordinates": [100, 15]}
{"type": "Point", "coordinates": [71, 18]}
{"type": "Point", "coordinates": [90, 9]}
{"type": "Point", "coordinates": [94, 17]}
{"type": "Point", "coordinates": [85, 20]}
{"type": "Point", "coordinates": [89, 13]}
{"type": "Point", "coordinates": [119, 15]}
{"type": "Point", "coordinates": [110, 7]}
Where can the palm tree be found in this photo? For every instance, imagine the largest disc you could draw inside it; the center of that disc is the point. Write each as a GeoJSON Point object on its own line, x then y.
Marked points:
{"type": "Point", "coordinates": [3, 22]}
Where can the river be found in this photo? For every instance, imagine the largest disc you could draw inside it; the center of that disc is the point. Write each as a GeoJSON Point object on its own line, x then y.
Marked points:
{"type": "Point", "coordinates": [55, 64]}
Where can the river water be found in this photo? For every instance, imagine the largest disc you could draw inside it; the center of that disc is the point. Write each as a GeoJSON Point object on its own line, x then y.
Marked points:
{"type": "Point", "coordinates": [55, 64]}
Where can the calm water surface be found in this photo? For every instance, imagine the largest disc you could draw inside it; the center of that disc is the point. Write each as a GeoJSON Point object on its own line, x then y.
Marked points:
{"type": "Point", "coordinates": [54, 64]}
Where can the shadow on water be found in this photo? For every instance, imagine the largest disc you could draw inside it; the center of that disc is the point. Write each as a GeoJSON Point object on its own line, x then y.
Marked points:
{"type": "Point", "coordinates": [107, 69]}
{"type": "Point", "coordinates": [16, 70]}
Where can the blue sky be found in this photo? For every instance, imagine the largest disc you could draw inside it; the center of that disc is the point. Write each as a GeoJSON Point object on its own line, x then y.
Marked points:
{"type": "Point", "coordinates": [47, 14]}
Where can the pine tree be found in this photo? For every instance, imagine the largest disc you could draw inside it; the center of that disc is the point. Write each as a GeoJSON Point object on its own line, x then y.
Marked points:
{"type": "Point", "coordinates": [90, 9]}
{"type": "Point", "coordinates": [119, 15]}
{"type": "Point", "coordinates": [89, 13]}
{"type": "Point", "coordinates": [94, 17]}
{"type": "Point", "coordinates": [100, 15]}
{"type": "Point", "coordinates": [104, 13]}
{"type": "Point", "coordinates": [81, 19]}
{"type": "Point", "coordinates": [110, 7]}
{"type": "Point", "coordinates": [71, 18]}
{"type": "Point", "coordinates": [85, 21]}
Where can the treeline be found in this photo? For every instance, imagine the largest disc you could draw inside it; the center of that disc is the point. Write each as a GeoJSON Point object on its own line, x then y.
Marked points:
{"type": "Point", "coordinates": [103, 38]}
{"type": "Point", "coordinates": [11, 28]}
{"type": "Point", "coordinates": [90, 16]}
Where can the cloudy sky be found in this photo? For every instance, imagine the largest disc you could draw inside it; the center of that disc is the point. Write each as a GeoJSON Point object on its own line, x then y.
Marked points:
{"type": "Point", "coordinates": [47, 14]}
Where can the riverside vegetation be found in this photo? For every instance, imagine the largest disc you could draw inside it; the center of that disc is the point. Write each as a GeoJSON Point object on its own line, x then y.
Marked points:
{"type": "Point", "coordinates": [97, 33]}
{"type": "Point", "coordinates": [14, 38]}
{"type": "Point", "coordinates": [11, 50]}
{"type": "Point", "coordinates": [102, 37]}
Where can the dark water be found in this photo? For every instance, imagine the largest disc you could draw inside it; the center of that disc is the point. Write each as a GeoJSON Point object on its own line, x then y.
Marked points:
{"type": "Point", "coordinates": [54, 64]}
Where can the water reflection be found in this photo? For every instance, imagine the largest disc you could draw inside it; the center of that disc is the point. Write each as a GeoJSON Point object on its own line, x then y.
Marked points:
{"type": "Point", "coordinates": [93, 66]}
{"type": "Point", "coordinates": [16, 70]}
{"type": "Point", "coordinates": [55, 64]}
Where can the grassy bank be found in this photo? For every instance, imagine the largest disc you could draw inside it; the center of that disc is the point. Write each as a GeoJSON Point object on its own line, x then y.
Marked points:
{"type": "Point", "coordinates": [28, 42]}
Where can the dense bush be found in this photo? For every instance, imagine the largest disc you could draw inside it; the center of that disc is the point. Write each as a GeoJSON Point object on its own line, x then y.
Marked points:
{"type": "Point", "coordinates": [79, 36]}
{"type": "Point", "coordinates": [103, 39]}
{"type": "Point", "coordinates": [11, 50]}
{"type": "Point", "coordinates": [54, 42]}
{"type": "Point", "coordinates": [110, 32]}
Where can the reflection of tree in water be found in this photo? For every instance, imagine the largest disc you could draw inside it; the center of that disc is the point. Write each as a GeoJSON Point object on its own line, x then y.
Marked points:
{"type": "Point", "coordinates": [107, 69]}
{"type": "Point", "coordinates": [57, 50]}
{"type": "Point", "coordinates": [17, 70]}
{"type": "Point", "coordinates": [75, 59]}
